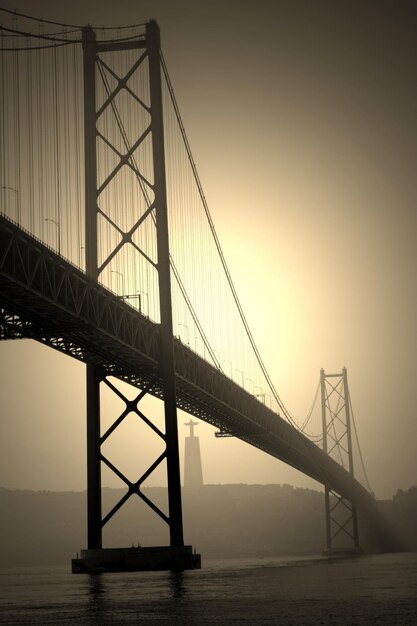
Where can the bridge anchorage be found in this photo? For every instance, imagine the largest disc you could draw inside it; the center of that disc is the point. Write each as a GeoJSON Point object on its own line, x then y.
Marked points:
{"type": "Point", "coordinates": [56, 301]}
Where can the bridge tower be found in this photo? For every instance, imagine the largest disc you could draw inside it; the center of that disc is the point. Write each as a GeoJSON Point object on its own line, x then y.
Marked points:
{"type": "Point", "coordinates": [341, 515]}
{"type": "Point", "coordinates": [96, 67]}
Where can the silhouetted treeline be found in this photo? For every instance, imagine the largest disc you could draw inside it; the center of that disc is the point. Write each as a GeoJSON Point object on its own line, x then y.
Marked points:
{"type": "Point", "coordinates": [45, 528]}
{"type": "Point", "coordinates": [254, 520]}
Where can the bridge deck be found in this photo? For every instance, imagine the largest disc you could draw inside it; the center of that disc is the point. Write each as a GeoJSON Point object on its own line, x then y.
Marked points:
{"type": "Point", "coordinates": [45, 297]}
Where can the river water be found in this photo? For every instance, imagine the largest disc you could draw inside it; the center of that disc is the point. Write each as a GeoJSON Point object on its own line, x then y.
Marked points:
{"type": "Point", "coordinates": [376, 589]}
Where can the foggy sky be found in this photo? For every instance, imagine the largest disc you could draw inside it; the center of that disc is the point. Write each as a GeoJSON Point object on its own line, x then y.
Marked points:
{"type": "Point", "coordinates": [301, 119]}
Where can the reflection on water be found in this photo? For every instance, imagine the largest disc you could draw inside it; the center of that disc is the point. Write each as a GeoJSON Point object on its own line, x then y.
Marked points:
{"type": "Point", "coordinates": [378, 589]}
{"type": "Point", "coordinates": [176, 584]}
{"type": "Point", "coordinates": [98, 603]}
{"type": "Point", "coordinates": [120, 597]}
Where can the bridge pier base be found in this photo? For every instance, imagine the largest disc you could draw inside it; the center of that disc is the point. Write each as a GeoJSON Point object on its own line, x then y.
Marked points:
{"type": "Point", "coordinates": [136, 560]}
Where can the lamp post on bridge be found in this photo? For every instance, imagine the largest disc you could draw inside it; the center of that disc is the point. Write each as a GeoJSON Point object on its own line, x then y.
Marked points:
{"type": "Point", "coordinates": [120, 275]}
{"type": "Point", "coordinates": [241, 373]}
{"type": "Point", "coordinates": [12, 189]}
{"type": "Point", "coordinates": [199, 338]}
{"type": "Point", "coordinates": [217, 356]}
{"type": "Point", "coordinates": [133, 296]}
{"type": "Point", "coordinates": [250, 381]}
{"type": "Point", "coordinates": [259, 395]}
{"type": "Point", "coordinates": [188, 332]}
{"type": "Point", "coordinates": [143, 293]}
{"type": "Point", "coordinates": [231, 367]}
{"type": "Point", "coordinates": [58, 230]}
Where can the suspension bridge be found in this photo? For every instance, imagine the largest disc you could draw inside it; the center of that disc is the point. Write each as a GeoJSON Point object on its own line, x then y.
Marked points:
{"type": "Point", "coordinates": [109, 254]}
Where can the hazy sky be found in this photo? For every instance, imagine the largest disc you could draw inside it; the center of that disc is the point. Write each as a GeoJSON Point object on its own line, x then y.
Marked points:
{"type": "Point", "coordinates": [301, 118]}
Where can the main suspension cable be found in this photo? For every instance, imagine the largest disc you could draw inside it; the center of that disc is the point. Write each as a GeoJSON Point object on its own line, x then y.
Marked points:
{"type": "Point", "coordinates": [220, 251]}
{"type": "Point", "coordinates": [24, 33]}
{"type": "Point", "coordinates": [38, 19]}
{"type": "Point", "coordinates": [359, 447]}
{"type": "Point", "coordinates": [313, 404]}
{"type": "Point", "coordinates": [77, 26]}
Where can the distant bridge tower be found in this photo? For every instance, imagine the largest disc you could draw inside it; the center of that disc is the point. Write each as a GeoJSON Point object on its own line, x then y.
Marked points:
{"type": "Point", "coordinates": [193, 472]}
{"type": "Point", "coordinates": [341, 516]}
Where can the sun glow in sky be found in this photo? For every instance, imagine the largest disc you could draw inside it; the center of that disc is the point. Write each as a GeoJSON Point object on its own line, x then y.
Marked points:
{"type": "Point", "coordinates": [301, 121]}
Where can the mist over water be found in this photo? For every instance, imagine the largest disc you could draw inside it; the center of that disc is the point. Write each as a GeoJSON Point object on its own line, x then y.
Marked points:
{"type": "Point", "coordinates": [377, 589]}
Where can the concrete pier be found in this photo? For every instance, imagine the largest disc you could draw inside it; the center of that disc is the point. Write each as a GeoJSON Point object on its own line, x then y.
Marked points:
{"type": "Point", "coordinates": [350, 551]}
{"type": "Point", "coordinates": [136, 560]}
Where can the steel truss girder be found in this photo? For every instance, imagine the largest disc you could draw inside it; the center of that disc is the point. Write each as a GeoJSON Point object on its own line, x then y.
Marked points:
{"type": "Point", "coordinates": [62, 302]}
{"type": "Point", "coordinates": [13, 327]}
{"type": "Point", "coordinates": [78, 318]}
{"type": "Point", "coordinates": [84, 314]}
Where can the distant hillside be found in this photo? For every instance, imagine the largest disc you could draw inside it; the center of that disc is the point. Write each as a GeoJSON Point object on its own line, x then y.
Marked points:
{"type": "Point", "coordinates": [219, 520]}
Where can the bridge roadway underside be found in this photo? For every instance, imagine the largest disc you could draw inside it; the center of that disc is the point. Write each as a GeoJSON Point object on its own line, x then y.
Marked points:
{"type": "Point", "coordinates": [46, 298]}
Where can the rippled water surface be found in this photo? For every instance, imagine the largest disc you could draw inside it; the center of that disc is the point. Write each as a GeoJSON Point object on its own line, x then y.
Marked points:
{"type": "Point", "coordinates": [378, 589]}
